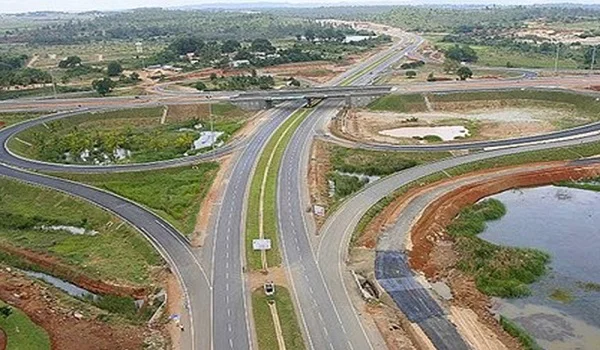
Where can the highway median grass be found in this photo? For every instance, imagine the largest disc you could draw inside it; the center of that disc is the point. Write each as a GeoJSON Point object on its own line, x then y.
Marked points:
{"type": "Point", "coordinates": [263, 321]}
{"type": "Point", "coordinates": [21, 332]}
{"type": "Point", "coordinates": [274, 149]}
{"type": "Point", "coordinates": [175, 194]}
{"type": "Point", "coordinates": [114, 252]}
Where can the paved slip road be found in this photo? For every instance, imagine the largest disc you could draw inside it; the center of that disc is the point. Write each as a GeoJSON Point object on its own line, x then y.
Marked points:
{"type": "Point", "coordinates": [170, 243]}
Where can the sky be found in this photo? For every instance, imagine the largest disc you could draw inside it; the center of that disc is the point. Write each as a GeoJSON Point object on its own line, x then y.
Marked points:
{"type": "Point", "coordinates": [17, 6]}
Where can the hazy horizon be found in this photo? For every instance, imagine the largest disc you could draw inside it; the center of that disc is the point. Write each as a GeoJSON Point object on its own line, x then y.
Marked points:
{"type": "Point", "coordinates": [14, 6]}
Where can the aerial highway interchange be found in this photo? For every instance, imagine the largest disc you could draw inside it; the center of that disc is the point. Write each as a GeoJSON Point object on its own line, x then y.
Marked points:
{"type": "Point", "coordinates": [213, 276]}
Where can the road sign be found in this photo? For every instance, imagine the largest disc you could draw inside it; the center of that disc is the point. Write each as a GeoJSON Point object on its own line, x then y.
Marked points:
{"type": "Point", "coordinates": [261, 244]}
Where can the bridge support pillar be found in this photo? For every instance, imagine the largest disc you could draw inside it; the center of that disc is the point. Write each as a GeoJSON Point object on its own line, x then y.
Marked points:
{"type": "Point", "coordinates": [348, 103]}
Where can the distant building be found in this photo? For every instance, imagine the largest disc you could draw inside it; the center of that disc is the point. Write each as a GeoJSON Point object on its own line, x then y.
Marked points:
{"type": "Point", "coordinates": [239, 63]}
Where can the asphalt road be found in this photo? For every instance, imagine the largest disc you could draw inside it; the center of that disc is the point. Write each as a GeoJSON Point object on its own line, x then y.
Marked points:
{"type": "Point", "coordinates": [230, 312]}
{"type": "Point", "coordinates": [175, 249]}
{"type": "Point", "coordinates": [326, 326]}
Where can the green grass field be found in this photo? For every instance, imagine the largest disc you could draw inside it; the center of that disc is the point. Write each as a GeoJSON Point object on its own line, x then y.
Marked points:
{"type": "Point", "coordinates": [117, 253]}
{"type": "Point", "coordinates": [22, 333]}
{"type": "Point", "coordinates": [140, 131]}
{"type": "Point", "coordinates": [7, 119]}
{"type": "Point", "coordinates": [263, 321]}
{"type": "Point", "coordinates": [175, 194]}
{"type": "Point", "coordinates": [360, 161]}
{"type": "Point", "coordinates": [283, 134]}
{"type": "Point", "coordinates": [490, 56]}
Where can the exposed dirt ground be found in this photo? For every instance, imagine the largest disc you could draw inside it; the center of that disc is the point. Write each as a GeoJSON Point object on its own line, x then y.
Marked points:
{"type": "Point", "coordinates": [2, 340]}
{"type": "Point", "coordinates": [206, 208]}
{"type": "Point", "coordinates": [61, 270]}
{"type": "Point", "coordinates": [492, 122]}
{"type": "Point", "coordinates": [256, 279]}
{"type": "Point", "coordinates": [318, 169]}
{"type": "Point", "coordinates": [433, 253]}
{"type": "Point", "coordinates": [71, 326]}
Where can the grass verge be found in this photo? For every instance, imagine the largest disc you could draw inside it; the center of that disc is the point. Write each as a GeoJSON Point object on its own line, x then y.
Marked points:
{"type": "Point", "coordinates": [135, 135]}
{"type": "Point", "coordinates": [287, 318]}
{"type": "Point", "coordinates": [7, 118]}
{"type": "Point", "coordinates": [498, 271]}
{"type": "Point", "coordinates": [21, 332]}
{"type": "Point", "coordinates": [513, 329]}
{"type": "Point", "coordinates": [548, 155]}
{"type": "Point", "coordinates": [175, 194]}
{"type": "Point", "coordinates": [115, 253]}
{"type": "Point", "coordinates": [275, 147]}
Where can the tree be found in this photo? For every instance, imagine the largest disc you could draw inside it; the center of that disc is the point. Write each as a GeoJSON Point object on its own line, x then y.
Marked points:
{"type": "Point", "coordinates": [464, 73]}
{"type": "Point", "coordinates": [262, 45]}
{"type": "Point", "coordinates": [450, 65]}
{"type": "Point", "coordinates": [462, 53]}
{"type": "Point", "coordinates": [5, 311]}
{"type": "Point", "coordinates": [70, 62]}
{"type": "Point", "coordinates": [186, 45]}
{"type": "Point", "coordinates": [134, 77]}
{"type": "Point", "coordinates": [200, 86]}
{"type": "Point", "coordinates": [410, 74]}
{"type": "Point", "coordinates": [231, 46]}
{"type": "Point", "coordinates": [114, 69]}
{"type": "Point", "coordinates": [431, 77]}
{"type": "Point", "coordinates": [103, 86]}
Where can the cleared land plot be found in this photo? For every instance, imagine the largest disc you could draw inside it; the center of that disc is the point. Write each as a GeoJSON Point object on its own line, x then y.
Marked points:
{"type": "Point", "coordinates": [109, 249]}
{"type": "Point", "coordinates": [128, 136]}
{"type": "Point", "coordinates": [174, 194]}
{"type": "Point", "coordinates": [486, 115]}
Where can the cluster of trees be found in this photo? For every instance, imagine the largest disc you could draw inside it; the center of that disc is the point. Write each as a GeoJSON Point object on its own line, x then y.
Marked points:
{"type": "Point", "coordinates": [461, 53]}
{"type": "Point", "coordinates": [239, 82]}
{"type": "Point", "coordinates": [14, 73]}
{"type": "Point", "coordinates": [101, 144]}
{"type": "Point", "coordinates": [154, 24]}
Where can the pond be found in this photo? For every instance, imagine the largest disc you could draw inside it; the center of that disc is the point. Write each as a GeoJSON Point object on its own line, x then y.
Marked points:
{"type": "Point", "coordinates": [563, 311]}
{"type": "Point", "coordinates": [446, 133]}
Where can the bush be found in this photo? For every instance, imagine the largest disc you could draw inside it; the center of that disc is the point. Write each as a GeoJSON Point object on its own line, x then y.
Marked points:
{"type": "Point", "coordinates": [345, 185]}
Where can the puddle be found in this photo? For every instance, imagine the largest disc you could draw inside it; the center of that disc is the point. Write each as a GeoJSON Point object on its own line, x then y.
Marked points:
{"type": "Point", "coordinates": [66, 287]}
{"type": "Point", "coordinates": [446, 133]}
{"type": "Point", "coordinates": [208, 139]}
{"type": "Point", "coordinates": [564, 223]}
{"type": "Point", "coordinates": [362, 177]}
{"type": "Point", "coordinates": [71, 229]}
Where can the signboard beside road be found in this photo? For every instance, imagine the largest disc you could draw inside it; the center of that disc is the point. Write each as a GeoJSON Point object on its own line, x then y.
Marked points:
{"type": "Point", "coordinates": [261, 244]}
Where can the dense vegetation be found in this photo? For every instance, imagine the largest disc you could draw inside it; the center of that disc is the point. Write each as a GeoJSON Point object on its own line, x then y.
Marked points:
{"type": "Point", "coordinates": [135, 135]}
{"type": "Point", "coordinates": [13, 71]}
{"type": "Point", "coordinates": [498, 271]}
{"type": "Point", "coordinates": [376, 163]}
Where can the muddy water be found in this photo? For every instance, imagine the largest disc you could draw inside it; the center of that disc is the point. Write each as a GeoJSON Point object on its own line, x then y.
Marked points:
{"type": "Point", "coordinates": [564, 223]}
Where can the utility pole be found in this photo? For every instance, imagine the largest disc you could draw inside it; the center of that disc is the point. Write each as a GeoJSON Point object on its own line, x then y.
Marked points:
{"type": "Point", "coordinates": [212, 125]}
{"type": "Point", "coordinates": [593, 60]}
{"type": "Point", "coordinates": [556, 59]}
{"type": "Point", "coordinates": [53, 86]}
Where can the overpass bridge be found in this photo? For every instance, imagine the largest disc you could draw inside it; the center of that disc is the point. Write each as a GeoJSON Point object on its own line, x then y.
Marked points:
{"type": "Point", "coordinates": [353, 95]}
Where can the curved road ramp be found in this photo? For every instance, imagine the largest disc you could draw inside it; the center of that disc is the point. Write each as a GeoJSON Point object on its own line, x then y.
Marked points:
{"type": "Point", "coordinates": [396, 277]}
